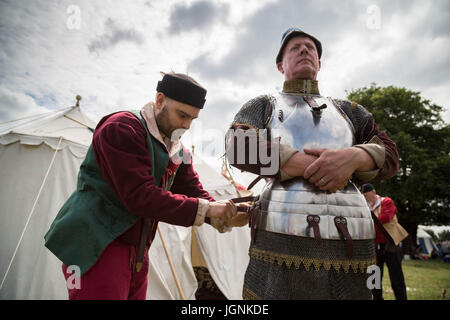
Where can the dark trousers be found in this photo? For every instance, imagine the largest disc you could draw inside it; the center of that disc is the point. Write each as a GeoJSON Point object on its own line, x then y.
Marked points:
{"type": "Point", "coordinates": [394, 264]}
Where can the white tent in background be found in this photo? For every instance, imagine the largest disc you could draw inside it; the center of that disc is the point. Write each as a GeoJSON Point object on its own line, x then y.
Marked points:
{"type": "Point", "coordinates": [425, 240]}
{"type": "Point", "coordinates": [225, 255]}
{"type": "Point", "coordinates": [39, 161]}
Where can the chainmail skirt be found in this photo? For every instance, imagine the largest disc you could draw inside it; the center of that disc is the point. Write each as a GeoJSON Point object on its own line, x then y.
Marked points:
{"type": "Point", "coordinates": [284, 267]}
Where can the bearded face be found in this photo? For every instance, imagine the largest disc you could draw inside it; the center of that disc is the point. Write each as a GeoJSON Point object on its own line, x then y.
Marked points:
{"type": "Point", "coordinates": [163, 122]}
{"type": "Point", "coordinates": [174, 118]}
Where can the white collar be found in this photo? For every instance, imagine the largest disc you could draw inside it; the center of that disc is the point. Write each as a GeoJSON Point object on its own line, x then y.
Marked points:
{"type": "Point", "coordinates": [148, 113]}
{"type": "Point", "coordinates": [376, 204]}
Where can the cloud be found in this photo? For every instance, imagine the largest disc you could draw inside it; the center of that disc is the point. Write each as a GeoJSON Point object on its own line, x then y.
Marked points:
{"type": "Point", "coordinates": [256, 44]}
{"type": "Point", "coordinates": [406, 51]}
{"type": "Point", "coordinates": [113, 36]}
{"type": "Point", "coordinates": [15, 104]}
{"type": "Point", "coordinates": [228, 46]}
{"type": "Point", "coordinates": [197, 16]}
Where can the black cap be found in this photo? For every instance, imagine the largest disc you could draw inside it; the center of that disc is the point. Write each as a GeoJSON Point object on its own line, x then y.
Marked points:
{"type": "Point", "coordinates": [367, 188]}
{"type": "Point", "coordinates": [183, 89]}
{"type": "Point", "coordinates": [293, 32]}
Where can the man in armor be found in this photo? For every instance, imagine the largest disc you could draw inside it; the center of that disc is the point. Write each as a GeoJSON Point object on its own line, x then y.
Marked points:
{"type": "Point", "coordinates": [312, 231]}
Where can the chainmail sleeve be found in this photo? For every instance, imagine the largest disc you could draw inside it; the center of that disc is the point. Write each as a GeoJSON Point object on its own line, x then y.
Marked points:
{"type": "Point", "coordinates": [254, 116]}
{"type": "Point", "coordinates": [367, 132]}
{"type": "Point", "coordinates": [358, 115]}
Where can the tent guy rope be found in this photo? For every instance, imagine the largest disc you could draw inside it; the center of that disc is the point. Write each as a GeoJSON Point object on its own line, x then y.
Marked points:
{"type": "Point", "coordinates": [31, 213]}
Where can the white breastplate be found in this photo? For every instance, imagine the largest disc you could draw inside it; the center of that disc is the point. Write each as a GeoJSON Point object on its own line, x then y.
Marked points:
{"type": "Point", "coordinates": [285, 206]}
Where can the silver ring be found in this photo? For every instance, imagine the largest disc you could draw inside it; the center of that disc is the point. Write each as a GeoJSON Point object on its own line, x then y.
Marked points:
{"type": "Point", "coordinates": [323, 181]}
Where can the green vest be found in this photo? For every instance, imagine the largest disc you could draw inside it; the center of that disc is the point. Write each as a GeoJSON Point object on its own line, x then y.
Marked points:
{"type": "Point", "coordinates": [93, 216]}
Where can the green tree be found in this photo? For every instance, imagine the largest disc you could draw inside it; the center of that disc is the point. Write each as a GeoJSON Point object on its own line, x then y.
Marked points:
{"type": "Point", "coordinates": [432, 234]}
{"type": "Point", "coordinates": [444, 235]}
{"type": "Point", "coordinates": [420, 189]}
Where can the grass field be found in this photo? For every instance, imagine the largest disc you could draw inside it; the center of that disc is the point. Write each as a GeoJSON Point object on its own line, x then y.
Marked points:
{"type": "Point", "coordinates": [425, 280]}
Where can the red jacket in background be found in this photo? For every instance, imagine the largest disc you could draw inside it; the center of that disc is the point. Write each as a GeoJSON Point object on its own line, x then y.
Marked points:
{"type": "Point", "coordinates": [388, 211]}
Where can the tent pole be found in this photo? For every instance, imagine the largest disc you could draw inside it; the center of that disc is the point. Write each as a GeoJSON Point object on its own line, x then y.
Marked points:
{"type": "Point", "coordinates": [171, 265]}
{"type": "Point", "coordinates": [30, 214]}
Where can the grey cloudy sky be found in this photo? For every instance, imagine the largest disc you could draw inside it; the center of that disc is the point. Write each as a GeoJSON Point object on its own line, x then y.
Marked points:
{"type": "Point", "coordinates": [112, 52]}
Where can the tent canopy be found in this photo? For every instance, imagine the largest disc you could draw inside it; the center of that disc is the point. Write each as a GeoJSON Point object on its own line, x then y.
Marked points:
{"type": "Point", "coordinates": [40, 157]}
{"type": "Point", "coordinates": [70, 124]}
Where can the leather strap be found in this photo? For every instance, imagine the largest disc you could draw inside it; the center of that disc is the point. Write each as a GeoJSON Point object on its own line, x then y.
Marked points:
{"type": "Point", "coordinates": [341, 225]}
{"type": "Point", "coordinates": [142, 244]}
{"type": "Point", "coordinates": [244, 199]}
{"type": "Point", "coordinates": [253, 211]}
{"type": "Point", "coordinates": [383, 230]}
{"type": "Point", "coordinates": [254, 221]}
{"type": "Point", "coordinates": [252, 184]}
{"type": "Point", "coordinates": [313, 222]}
{"type": "Point", "coordinates": [315, 108]}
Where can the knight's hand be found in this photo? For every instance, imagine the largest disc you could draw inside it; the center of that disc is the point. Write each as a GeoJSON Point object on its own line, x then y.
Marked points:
{"type": "Point", "coordinates": [332, 170]}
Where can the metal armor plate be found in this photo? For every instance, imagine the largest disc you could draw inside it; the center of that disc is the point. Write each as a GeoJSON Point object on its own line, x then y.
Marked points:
{"type": "Point", "coordinates": [285, 205]}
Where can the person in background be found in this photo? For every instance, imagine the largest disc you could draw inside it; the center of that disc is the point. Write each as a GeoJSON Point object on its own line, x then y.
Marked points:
{"type": "Point", "coordinates": [391, 254]}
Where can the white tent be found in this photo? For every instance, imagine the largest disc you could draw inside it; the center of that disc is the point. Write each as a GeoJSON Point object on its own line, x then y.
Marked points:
{"type": "Point", "coordinates": [39, 161]}
{"type": "Point", "coordinates": [225, 255]}
{"type": "Point", "coordinates": [425, 240]}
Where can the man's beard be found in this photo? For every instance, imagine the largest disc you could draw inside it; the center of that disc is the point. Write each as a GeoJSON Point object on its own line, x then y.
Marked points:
{"type": "Point", "coordinates": [164, 126]}
{"type": "Point", "coordinates": [162, 120]}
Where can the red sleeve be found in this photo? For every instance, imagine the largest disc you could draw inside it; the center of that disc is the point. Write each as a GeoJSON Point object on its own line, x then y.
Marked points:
{"type": "Point", "coordinates": [119, 145]}
{"type": "Point", "coordinates": [187, 182]}
{"type": "Point", "coordinates": [388, 210]}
